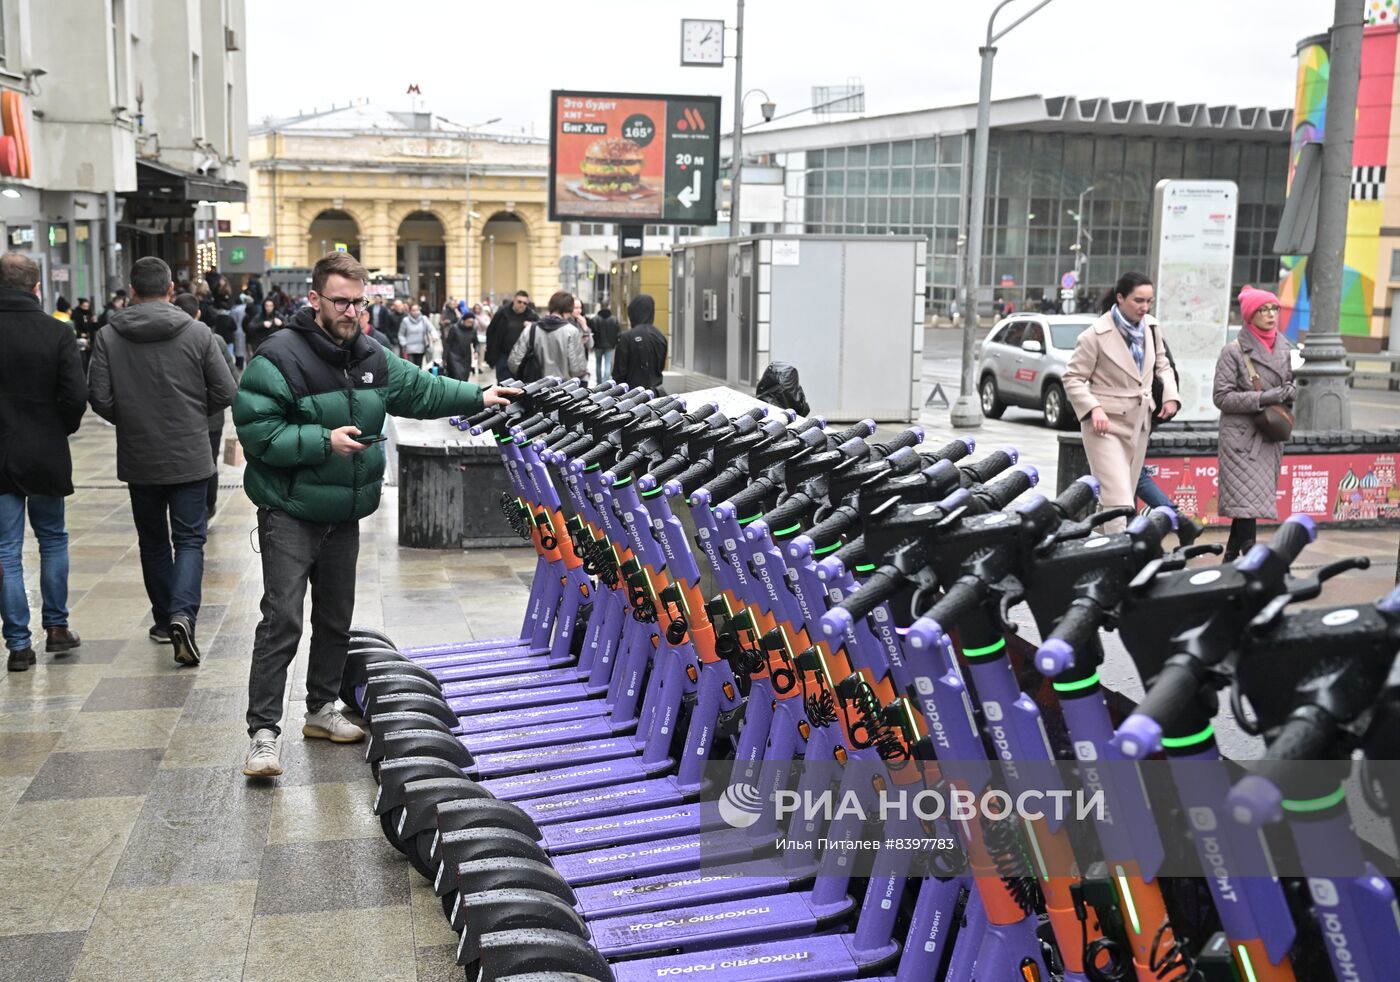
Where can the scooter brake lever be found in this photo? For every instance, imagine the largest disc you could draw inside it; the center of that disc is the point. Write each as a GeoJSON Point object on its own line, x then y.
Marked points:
{"type": "Point", "coordinates": [1341, 566]}
{"type": "Point", "coordinates": [1204, 549]}
{"type": "Point", "coordinates": [1011, 593]}
{"type": "Point", "coordinates": [1109, 514]}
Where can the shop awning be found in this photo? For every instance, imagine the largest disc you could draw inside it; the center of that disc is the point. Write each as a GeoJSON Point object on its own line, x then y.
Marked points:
{"type": "Point", "coordinates": [158, 182]}
{"type": "Point", "coordinates": [602, 259]}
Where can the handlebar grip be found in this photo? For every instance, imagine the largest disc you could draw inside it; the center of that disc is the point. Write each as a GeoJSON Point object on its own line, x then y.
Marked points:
{"type": "Point", "coordinates": [1309, 734]}
{"type": "Point", "coordinates": [832, 528]}
{"type": "Point", "coordinates": [853, 554]}
{"type": "Point", "coordinates": [1076, 626]}
{"type": "Point", "coordinates": [694, 477]}
{"type": "Point", "coordinates": [1079, 497]}
{"type": "Point", "coordinates": [609, 387]}
{"type": "Point", "coordinates": [543, 425]}
{"type": "Point", "coordinates": [625, 465]}
{"type": "Point", "coordinates": [596, 455]}
{"type": "Point", "coordinates": [808, 424]}
{"type": "Point", "coordinates": [725, 483]}
{"type": "Point", "coordinates": [910, 438]}
{"type": "Point", "coordinates": [1292, 537]}
{"type": "Point", "coordinates": [982, 471]}
{"type": "Point", "coordinates": [570, 444]}
{"type": "Point", "coordinates": [797, 508]}
{"type": "Point", "coordinates": [883, 584]}
{"type": "Point", "coordinates": [953, 450]}
{"type": "Point", "coordinates": [671, 467]}
{"type": "Point", "coordinates": [943, 478]}
{"type": "Point", "coordinates": [1170, 696]}
{"type": "Point", "coordinates": [746, 500]}
{"type": "Point", "coordinates": [860, 431]}
{"type": "Point", "coordinates": [961, 598]}
{"type": "Point", "coordinates": [476, 418]}
{"type": "Point", "coordinates": [665, 404]}
{"type": "Point", "coordinates": [1000, 493]}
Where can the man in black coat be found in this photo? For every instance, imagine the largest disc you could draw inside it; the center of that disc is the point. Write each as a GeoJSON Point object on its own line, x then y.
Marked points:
{"type": "Point", "coordinates": [42, 398]}
{"type": "Point", "coordinates": [505, 329]}
{"type": "Point", "coordinates": [641, 351]}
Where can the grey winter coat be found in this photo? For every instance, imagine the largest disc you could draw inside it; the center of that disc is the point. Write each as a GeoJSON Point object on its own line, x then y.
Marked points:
{"type": "Point", "coordinates": [158, 374]}
{"type": "Point", "coordinates": [413, 334]}
{"type": "Point", "coordinates": [558, 345]}
{"type": "Point", "coordinates": [1249, 463]}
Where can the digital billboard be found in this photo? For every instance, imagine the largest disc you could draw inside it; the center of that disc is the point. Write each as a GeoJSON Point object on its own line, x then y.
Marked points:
{"type": "Point", "coordinates": [633, 159]}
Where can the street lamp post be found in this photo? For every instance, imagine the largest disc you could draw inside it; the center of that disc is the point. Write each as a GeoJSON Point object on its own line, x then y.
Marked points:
{"type": "Point", "coordinates": [491, 261]}
{"type": "Point", "coordinates": [467, 185]}
{"type": "Point", "coordinates": [967, 410]}
{"type": "Point", "coordinates": [1081, 257]}
{"type": "Point", "coordinates": [738, 149]}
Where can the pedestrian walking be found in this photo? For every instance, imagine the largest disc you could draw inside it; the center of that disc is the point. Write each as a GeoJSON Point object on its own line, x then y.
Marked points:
{"type": "Point", "coordinates": [258, 324]}
{"type": "Point", "coordinates": [641, 350]}
{"type": "Point", "coordinates": [554, 341]}
{"type": "Point", "coordinates": [42, 398]}
{"type": "Point", "coordinates": [585, 331]}
{"type": "Point", "coordinates": [190, 305]}
{"type": "Point", "coordinates": [504, 330]}
{"type": "Point", "coordinates": [413, 335]}
{"type": "Point", "coordinates": [1109, 384]}
{"type": "Point", "coordinates": [369, 330]}
{"type": "Point", "coordinates": [310, 392]}
{"type": "Point", "coordinates": [393, 317]}
{"type": "Point", "coordinates": [458, 347]}
{"type": "Point", "coordinates": [605, 331]}
{"type": "Point", "coordinates": [157, 374]}
{"type": "Point", "coordinates": [1254, 392]}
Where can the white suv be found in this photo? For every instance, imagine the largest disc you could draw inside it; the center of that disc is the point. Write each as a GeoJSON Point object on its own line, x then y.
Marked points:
{"type": "Point", "coordinates": [1017, 367]}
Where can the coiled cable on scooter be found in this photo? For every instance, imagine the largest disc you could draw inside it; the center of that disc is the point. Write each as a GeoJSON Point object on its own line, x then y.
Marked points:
{"type": "Point", "coordinates": [1174, 958]}
{"type": "Point", "coordinates": [869, 728]}
{"type": "Point", "coordinates": [515, 517]}
{"type": "Point", "coordinates": [1004, 844]}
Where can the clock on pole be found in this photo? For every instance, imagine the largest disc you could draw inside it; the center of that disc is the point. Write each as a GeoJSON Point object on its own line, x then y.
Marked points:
{"type": "Point", "coordinates": [702, 42]}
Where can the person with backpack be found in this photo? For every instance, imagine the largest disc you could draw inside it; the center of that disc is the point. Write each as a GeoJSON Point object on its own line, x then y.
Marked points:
{"type": "Point", "coordinates": [550, 346]}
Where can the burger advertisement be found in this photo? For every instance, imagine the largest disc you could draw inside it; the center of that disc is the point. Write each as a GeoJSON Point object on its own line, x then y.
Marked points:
{"type": "Point", "coordinates": [630, 159]}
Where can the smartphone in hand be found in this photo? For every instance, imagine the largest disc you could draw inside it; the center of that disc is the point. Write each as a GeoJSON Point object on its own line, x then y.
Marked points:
{"type": "Point", "coordinates": [378, 438]}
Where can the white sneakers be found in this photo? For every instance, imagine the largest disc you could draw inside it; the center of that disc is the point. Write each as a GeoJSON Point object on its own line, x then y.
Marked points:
{"type": "Point", "coordinates": [262, 758]}
{"type": "Point", "coordinates": [328, 723]}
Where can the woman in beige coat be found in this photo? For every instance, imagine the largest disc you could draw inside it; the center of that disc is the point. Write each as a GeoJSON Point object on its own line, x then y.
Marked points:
{"type": "Point", "coordinates": [1109, 385]}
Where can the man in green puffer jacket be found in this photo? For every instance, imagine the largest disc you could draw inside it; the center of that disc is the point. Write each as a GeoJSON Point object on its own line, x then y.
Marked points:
{"type": "Point", "coordinates": [311, 390]}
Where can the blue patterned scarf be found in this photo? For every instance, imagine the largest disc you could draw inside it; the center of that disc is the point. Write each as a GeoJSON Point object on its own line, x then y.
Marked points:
{"type": "Point", "coordinates": [1133, 334]}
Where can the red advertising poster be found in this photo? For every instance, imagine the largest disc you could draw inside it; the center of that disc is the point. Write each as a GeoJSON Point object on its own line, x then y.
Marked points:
{"type": "Point", "coordinates": [632, 158]}
{"type": "Point", "coordinates": [1325, 487]}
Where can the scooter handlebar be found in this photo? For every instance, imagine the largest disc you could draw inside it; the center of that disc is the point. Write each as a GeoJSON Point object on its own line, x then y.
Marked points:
{"type": "Point", "coordinates": [694, 477]}
{"type": "Point", "coordinates": [797, 508]}
{"type": "Point", "coordinates": [911, 437]}
{"type": "Point", "coordinates": [747, 499]}
{"type": "Point", "coordinates": [1079, 497]}
{"type": "Point", "coordinates": [982, 471]}
{"type": "Point", "coordinates": [832, 528]}
{"type": "Point", "coordinates": [1288, 541]}
{"type": "Point", "coordinates": [625, 465]}
{"type": "Point", "coordinates": [960, 599]}
{"type": "Point", "coordinates": [1079, 623]}
{"type": "Point", "coordinates": [1309, 734]}
{"type": "Point", "coordinates": [722, 485]}
{"type": "Point", "coordinates": [883, 584]}
{"type": "Point", "coordinates": [667, 469]}
{"type": "Point", "coordinates": [860, 431]}
{"type": "Point", "coordinates": [1171, 696]}
{"type": "Point", "coordinates": [999, 494]}
{"type": "Point", "coordinates": [953, 450]}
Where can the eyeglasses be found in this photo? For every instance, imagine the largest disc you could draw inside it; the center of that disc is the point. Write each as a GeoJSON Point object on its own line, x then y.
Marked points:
{"type": "Point", "coordinates": [1268, 308]}
{"type": "Point", "coordinates": [342, 304]}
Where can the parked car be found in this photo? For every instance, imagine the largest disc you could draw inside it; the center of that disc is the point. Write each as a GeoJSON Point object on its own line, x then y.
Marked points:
{"type": "Point", "coordinates": [1016, 366]}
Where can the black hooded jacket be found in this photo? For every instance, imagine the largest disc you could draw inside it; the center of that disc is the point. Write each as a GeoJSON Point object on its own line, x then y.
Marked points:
{"type": "Point", "coordinates": [641, 351]}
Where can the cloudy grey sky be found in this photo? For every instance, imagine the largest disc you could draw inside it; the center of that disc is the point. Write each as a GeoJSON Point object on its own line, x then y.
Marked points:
{"type": "Point", "coordinates": [475, 60]}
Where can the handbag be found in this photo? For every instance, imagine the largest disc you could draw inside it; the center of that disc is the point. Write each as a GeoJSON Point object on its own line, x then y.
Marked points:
{"type": "Point", "coordinates": [1274, 422]}
{"type": "Point", "coordinates": [530, 369]}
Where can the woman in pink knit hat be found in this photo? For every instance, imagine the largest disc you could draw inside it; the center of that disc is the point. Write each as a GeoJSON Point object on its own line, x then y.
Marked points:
{"type": "Point", "coordinates": [1249, 460]}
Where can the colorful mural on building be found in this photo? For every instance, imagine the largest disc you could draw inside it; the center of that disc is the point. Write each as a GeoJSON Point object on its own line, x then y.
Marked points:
{"type": "Point", "coordinates": [1365, 261]}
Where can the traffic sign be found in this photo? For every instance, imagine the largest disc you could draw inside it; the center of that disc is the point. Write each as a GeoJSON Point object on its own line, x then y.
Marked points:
{"type": "Point", "coordinates": [1068, 281]}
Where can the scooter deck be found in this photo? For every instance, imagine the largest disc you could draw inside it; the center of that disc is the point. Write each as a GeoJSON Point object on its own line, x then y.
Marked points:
{"type": "Point", "coordinates": [708, 925]}
{"type": "Point", "coordinates": [549, 759]}
{"type": "Point", "coordinates": [483, 656]}
{"type": "Point", "coordinates": [514, 646]}
{"type": "Point", "coordinates": [545, 735]}
{"type": "Point", "coordinates": [452, 688]}
{"type": "Point", "coordinates": [517, 719]}
{"type": "Point", "coordinates": [581, 778]}
{"type": "Point", "coordinates": [495, 702]}
{"type": "Point", "coordinates": [630, 826]}
{"type": "Point", "coordinates": [825, 958]}
{"type": "Point", "coordinates": [688, 887]}
{"type": "Point", "coordinates": [678, 854]}
{"type": "Point", "coordinates": [575, 806]}
{"type": "Point", "coordinates": [457, 671]}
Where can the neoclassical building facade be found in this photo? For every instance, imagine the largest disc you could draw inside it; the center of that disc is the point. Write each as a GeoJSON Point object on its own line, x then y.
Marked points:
{"type": "Point", "coordinates": [459, 213]}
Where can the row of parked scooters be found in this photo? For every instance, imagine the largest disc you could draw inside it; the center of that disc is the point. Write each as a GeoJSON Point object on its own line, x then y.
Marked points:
{"type": "Point", "coordinates": [714, 595]}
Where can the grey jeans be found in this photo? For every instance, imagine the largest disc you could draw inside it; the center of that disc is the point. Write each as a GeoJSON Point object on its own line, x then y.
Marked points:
{"type": "Point", "coordinates": [295, 552]}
